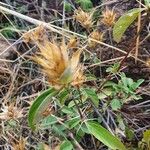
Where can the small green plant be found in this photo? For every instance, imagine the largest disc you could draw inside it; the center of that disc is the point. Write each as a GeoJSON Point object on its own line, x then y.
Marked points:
{"type": "Point", "coordinates": [77, 122]}
{"type": "Point", "coordinates": [65, 78]}
{"type": "Point", "coordinates": [122, 92]}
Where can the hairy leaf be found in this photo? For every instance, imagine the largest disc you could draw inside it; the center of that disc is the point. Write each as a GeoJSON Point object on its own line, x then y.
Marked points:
{"type": "Point", "coordinates": [92, 95]}
{"type": "Point", "coordinates": [104, 136]}
{"type": "Point", "coordinates": [48, 121]}
{"type": "Point", "coordinates": [115, 104]}
{"type": "Point", "coordinates": [39, 106]}
{"type": "Point", "coordinates": [124, 22]}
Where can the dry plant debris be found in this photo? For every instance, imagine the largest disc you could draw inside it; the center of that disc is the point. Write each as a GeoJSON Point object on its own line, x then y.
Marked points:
{"type": "Point", "coordinates": [108, 17]}
{"type": "Point", "coordinates": [84, 18]}
{"type": "Point", "coordinates": [10, 112]}
{"type": "Point", "coordinates": [55, 61]}
{"type": "Point", "coordinates": [96, 35]}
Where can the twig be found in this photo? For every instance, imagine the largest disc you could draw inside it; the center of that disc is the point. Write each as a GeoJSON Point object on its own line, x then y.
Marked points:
{"type": "Point", "coordinates": [80, 113]}
{"type": "Point", "coordinates": [99, 114]}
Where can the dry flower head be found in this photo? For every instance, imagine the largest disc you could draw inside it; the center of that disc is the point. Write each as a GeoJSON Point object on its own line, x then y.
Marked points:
{"type": "Point", "coordinates": [96, 35]}
{"type": "Point", "coordinates": [72, 43]}
{"type": "Point", "coordinates": [10, 112]}
{"type": "Point", "coordinates": [60, 69]}
{"type": "Point", "coordinates": [36, 34]}
{"type": "Point", "coordinates": [109, 17]}
{"type": "Point", "coordinates": [20, 145]}
{"type": "Point", "coordinates": [148, 62]}
{"type": "Point", "coordinates": [84, 18]}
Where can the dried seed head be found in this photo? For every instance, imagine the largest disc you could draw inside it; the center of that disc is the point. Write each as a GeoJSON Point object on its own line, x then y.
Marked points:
{"type": "Point", "coordinates": [78, 78]}
{"type": "Point", "coordinates": [108, 17]}
{"type": "Point", "coordinates": [20, 145]}
{"type": "Point", "coordinates": [84, 18]}
{"type": "Point", "coordinates": [72, 43]}
{"type": "Point", "coordinates": [148, 62]}
{"type": "Point", "coordinates": [34, 35]}
{"type": "Point", "coordinates": [10, 112]}
{"type": "Point", "coordinates": [56, 63]}
{"type": "Point", "coordinates": [96, 35]}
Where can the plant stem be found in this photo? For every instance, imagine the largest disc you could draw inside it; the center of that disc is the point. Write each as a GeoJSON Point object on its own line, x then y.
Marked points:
{"type": "Point", "coordinates": [80, 113]}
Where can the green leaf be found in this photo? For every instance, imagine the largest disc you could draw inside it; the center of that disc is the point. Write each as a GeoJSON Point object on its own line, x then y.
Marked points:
{"type": "Point", "coordinates": [63, 95]}
{"type": "Point", "coordinates": [59, 130]}
{"type": "Point", "coordinates": [91, 94]}
{"type": "Point", "coordinates": [105, 93]}
{"type": "Point", "coordinates": [113, 69]}
{"type": "Point", "coordinates": [47, 122]}
{"type": "Point", "coordinates": [90, 77]}
{"type": "Point", "coordinates": [115, 104]}
{"type": "Point", "coordinates": [71, 104]}
{"type": "Point", "coordinates": [66, 145]}
{"type": "Point", "coordinates": [84, 128]}
{"type": "Point", "coordinates": [124, 22]}
{"type": "Point", "coordinates": [130, 82]}
{"type": "Point", "coordinates": [104, 136]}
{"type": "Point", "coordinates": [137, 84]}
{"type": "Point", "coordinates": [85, 4]}
{"type": "Point", "coordinates": [129, 133]}
{"type": "Point", "coordinates": [124, 79]}
{"type": "Point", "coordinates": [8, 31]}
{"type": "Point", "coordinates": [67, 110]}
{"type": "Point", "coordinates": [39, 106]}
{"type": "Point", "coordinates": [79, 134]}
{"type": "Point", "coordinates": [121, 123]}
{"type": "Point", "coordinates": [73, 122]}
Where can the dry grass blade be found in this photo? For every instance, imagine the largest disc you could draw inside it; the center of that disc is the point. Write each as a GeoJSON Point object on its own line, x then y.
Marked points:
{"type": "Point", "coordinates": [138, 38]}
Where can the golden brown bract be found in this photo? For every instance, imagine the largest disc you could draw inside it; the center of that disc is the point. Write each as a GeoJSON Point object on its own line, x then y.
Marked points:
{"type": "Point", "coordinates": [10, 112]}
{"type": "Point", "coordinates": [84, 18]}
{"type": "Point", "coordinates": [96, 35]}
{"type": "Point", "coordinates": [109, 17]}
{"type": "Point", "coordinates": [60, 68]}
